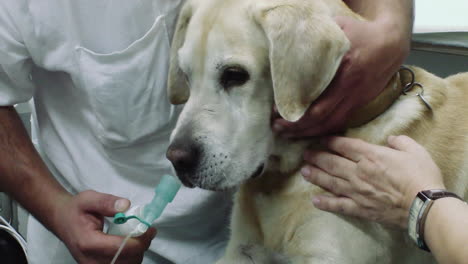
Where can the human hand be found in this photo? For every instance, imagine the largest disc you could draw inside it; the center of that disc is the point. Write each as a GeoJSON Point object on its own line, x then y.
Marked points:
{"type": "Point", "coordinates": [371, 182]}
{"type": "Point", "coordinates": [78, 221]}
{"type": "Point", "coordinates": [378, 48]}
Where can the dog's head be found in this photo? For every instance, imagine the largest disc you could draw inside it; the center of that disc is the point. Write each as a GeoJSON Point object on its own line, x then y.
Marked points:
{"type": "Point", "coordinates": [231, 61]}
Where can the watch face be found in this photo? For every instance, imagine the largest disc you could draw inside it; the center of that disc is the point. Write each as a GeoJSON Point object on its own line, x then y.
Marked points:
{"type": "Point", "coordinates": [413, 218]}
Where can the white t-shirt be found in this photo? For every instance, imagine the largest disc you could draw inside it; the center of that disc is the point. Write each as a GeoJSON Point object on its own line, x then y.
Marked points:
{"type": "Point", "coordinates": [97, 70]}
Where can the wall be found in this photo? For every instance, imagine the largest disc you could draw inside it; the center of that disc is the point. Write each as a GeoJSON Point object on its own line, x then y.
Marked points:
{"type": "Point", "coordinates": [438, 63]}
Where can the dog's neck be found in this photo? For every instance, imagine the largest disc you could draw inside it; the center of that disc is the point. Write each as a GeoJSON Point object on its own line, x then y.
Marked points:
{"type": "Point", "coordinates": [288, 161]}
{"type": "Point", "coordinates": [378, 105]}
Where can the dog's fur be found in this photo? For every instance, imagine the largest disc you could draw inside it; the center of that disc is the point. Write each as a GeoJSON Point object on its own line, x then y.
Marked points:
{"type": "Point", "coordinates": [291, 50]}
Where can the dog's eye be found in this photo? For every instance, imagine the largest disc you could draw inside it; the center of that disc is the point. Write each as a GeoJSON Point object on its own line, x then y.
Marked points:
{"type": "Point", "coordinates": [234, 76]}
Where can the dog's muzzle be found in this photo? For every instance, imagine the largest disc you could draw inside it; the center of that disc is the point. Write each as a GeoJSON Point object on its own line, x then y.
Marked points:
{"type": "Point", "coordinates": [185, 158]}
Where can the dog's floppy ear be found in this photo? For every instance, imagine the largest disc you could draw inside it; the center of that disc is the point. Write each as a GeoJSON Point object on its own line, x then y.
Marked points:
{"type": "Point", "coordinates": [305, 49]}
{"type": "Point", "coordinates": [177, 86]}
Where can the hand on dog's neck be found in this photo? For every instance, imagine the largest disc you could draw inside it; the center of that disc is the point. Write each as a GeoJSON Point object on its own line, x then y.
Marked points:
{"type": "Point", "coordinates": [286, 159]}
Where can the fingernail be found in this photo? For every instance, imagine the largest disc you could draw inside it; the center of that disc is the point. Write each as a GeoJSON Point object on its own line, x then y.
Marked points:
{"type": "Point", "coordinates": [316, 201]}
{"type": "Point", "coordinates": [305, 171]}
{"type": "Point", "coordinates": [121, 205]}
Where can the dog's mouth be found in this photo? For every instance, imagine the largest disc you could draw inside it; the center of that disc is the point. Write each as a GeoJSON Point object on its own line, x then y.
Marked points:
{"type": "Point", "coordinates": [186, 182]}
{"type": "Point", "coordinates": [215, 185]}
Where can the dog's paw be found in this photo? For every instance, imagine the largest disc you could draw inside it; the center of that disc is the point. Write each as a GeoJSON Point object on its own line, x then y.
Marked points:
{"type": "Point", "coordinates": [254, 254]}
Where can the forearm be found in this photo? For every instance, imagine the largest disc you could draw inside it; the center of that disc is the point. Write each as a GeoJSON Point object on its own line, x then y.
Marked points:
{"type": "Point", "coordinates": [395, 14]}
{"type": "Point", "coordinates": [23, 175]}
{"type": "Point", "coordinates": [377, 9]}
{"type": "Point", "coordinates": [446, 232]}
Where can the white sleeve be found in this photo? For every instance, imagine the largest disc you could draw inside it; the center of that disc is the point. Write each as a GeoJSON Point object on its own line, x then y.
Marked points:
{"type": "Point", "coordinates": [15, 62]}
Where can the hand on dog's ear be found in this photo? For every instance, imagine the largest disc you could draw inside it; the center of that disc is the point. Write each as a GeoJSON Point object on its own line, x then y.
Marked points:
{"type": "Point", "coordinates": [305, 50]}
{"type": "Point", "coordinates": [177, 87]}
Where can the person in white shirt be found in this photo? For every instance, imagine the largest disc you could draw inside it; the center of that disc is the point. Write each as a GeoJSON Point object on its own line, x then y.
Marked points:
{"type": "Point", "coordinates": [97, 72]}
{"type": "Point", "coordinates": [101, 123]}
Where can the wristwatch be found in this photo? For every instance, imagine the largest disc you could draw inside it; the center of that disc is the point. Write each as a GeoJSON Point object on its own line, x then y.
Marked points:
{"type": "Point", "coordinates": [418, 212]}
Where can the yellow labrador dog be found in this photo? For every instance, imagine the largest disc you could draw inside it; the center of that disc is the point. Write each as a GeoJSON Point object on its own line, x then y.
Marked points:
{"type": "Point", "coordinates": [231, 61]}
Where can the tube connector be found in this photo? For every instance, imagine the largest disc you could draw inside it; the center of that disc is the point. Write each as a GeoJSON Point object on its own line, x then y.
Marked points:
{"type": "Point", "coordinates": [165, 192]}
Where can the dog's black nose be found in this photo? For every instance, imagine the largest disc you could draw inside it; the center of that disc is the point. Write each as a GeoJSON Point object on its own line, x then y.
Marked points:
{"type": "Point", "coordinates": [185, 158]}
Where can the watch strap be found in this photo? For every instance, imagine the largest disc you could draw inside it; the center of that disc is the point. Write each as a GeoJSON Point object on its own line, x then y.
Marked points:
{"type": "Point", "coordinates": [438, 193]}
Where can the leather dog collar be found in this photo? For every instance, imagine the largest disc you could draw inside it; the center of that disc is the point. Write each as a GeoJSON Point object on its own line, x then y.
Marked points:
{"type": "Point", "coordinates": [378, 105]}
{"type": "Point", "coordinates": [402, 82]}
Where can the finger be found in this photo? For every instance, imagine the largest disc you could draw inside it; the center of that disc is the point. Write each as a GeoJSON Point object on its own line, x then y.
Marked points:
{"type": "Point", "coordinates": [350, 148]}
{"type": "Point", "coordinates": [101, 244]}
{"type": "Point", "coordinates": [134, 248]}
{"type": "Point", "coordinates": [306, 121]}
{"type": "Point", "coordinates": [275, 110]}
{"type": "Point", "coordinates": [141, 242]}
{"type": "Point", "coordinates": [332, 126]}
{"type": "Point", "coordinates": [403, 143]}
{"type": "Point", "coordinates": [274, 116]}
{"type": "Point", "coordinates": [341, 205]}
{"type": "Point", "coordinates": [368, 171]}
{"type": "Point", "coordinates": [101, 203]}
{"type": "Point", "coordinates": [280, 125]}
{"type": "Point", "coordinates": [326, 181]}
{"type": "Point", "coordinates": [128, 260]}
{"type": "Point", "coordinates": [330, 163]}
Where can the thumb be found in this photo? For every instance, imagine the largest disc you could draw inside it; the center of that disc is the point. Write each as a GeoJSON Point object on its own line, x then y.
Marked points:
{"type": "Point", "coordinates": [403, 143]}
{"type": "Point", "coordinates": [101, 203]}
{"type": "Point", "coordinates": [143, 241]}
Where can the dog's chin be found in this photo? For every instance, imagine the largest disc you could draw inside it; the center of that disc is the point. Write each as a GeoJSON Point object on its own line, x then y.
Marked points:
{"type": "Point", "coordinates": [220, 184]}
{"type": "Point", "coordinates": [217, 186]}
{"type": "Point", "coordinates": [227, 187]}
